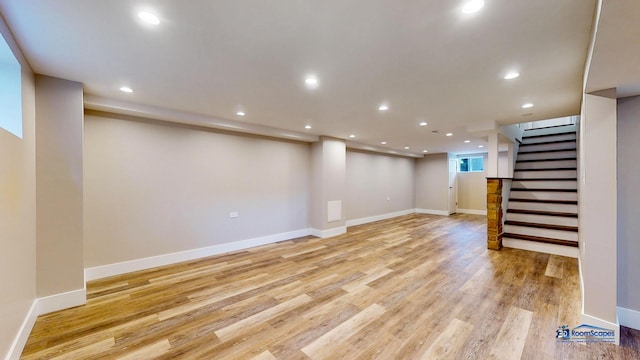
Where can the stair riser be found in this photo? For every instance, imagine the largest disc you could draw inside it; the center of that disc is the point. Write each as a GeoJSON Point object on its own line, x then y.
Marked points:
{"type": "Point", "coordinates": [562, 174]}
{"type": "Point", "coordinates": [546, 184]}
{"type": "Point", "coordinates": [545, 147]}
{"type": "Point", "coordinates": [546, 156]}
{"type": "Point", "coordinates": [546, 164]}
{"type": "Point", "coordinates": [559, 137]}
{"type": "Point", "coordinates": [553, 130]}
{"type": "Point", "coordinates": [554, 234]}
{"type": "Point", "coordinates": [568, 208]}
{"type": "Point", "coordinates": [540, 247]}
{"type": "Point", "coordinates": [543, 219]}
{"type": "Point", "coordinates": [543, 195]}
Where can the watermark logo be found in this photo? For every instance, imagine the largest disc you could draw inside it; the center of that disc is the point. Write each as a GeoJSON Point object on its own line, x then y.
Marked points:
{"type": "Point", "coordinates": [585, 333]}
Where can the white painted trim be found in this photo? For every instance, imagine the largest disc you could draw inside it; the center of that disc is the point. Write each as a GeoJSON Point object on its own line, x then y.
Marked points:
{"type": "Point", "coordinates": [540, 247]}
{"type": "Point", "coordinates": [433, 212]}
{"type": "Point", "coordinates": [592, 320]}
{"type": "Point", "coordinates": [62, 301]}
{"type": "Point", "coordinates": [629, 318]}
{"type": "Point", "coordinates": [124, 267]}
{"type": "Point", "coordinates": [23, 334]}
{"type": "Point", "coordinates": [329, 232]}
{"type": "Point", "coordinates": [370, 219]}
{"type": "Point", "coordinates": [472, 211]}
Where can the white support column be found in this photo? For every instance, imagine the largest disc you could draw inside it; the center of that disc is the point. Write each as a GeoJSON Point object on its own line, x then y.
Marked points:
{"type": "Point", "coordinates": [492, 165]}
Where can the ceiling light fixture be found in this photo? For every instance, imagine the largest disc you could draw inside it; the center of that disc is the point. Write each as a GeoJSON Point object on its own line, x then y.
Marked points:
{"type": "Point", "coordinates": [352, 136]}
{"type": "Point", "coordinates": [126, 89]}
{"type": "Point", "coordinates": [467, 141]}
{"type": "Point", "coordinates": [383, 142]}
{"type": "Point", "coordinates": [527, 105]}
{"type": "Point", "coordinates": [449, 134]}
{"type": "Point", "coordinates": [307, 127]}
{"type": "Point", "coordinates": [383, 107]}
{"type": "Point", "coordinates": [472, 6]}
{"type": "Point", "coordinates": [425, 151]}
{"type": "Point", "coordinates": [311, 81]}
{"type": "Point", "coordinates": [149, 18]}
{"type": "Point", "coordinates": [480, 146]}
{"type": "Point", "coordinates": [424, 123]}
{"type": "Point", "coordinates": [241, 113]}
{"type": "Point", "coordinates": [511, 75]}
{"type": "Point", "coordinates": [407, 148]}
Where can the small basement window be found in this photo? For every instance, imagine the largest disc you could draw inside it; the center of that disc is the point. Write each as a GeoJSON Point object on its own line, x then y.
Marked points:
{"type": "Point", "coordinates": [10, 91]}
{"type": "Point", "coordinates": [471, 164]}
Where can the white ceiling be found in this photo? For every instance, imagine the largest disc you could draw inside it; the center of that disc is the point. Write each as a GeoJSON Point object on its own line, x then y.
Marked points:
{"type": "Point", "coordinates": [426, 59]}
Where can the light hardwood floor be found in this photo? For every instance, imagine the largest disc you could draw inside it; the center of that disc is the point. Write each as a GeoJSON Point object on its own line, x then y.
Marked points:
{"type": "Point", "coordinates": [412, 287]}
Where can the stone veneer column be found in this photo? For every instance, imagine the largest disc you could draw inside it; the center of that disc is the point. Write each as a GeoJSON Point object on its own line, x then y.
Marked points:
{"type": "Point", "coordinates": [494, 213]}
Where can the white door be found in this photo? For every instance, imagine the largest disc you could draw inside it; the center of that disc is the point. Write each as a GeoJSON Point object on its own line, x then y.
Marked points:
{"type": "Point", "coordinates": [453, 186]}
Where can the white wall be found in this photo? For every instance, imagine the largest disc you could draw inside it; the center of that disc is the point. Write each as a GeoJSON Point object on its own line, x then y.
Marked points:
{"type": "Point", "coordinates": [432, 183]}
{"type": "Point", "coordinates": [378, 184]}
{"type": "Point", "coordinates": [628, 203]}
{"type": "Point", "coordinates": [472, 187]}
{"type": "Point", "coordinates": [597, 209]}
{"type": "Point", "coordinates": [17, 213]}
{"type": "Point", "coordinates": [59, 116]}
{"type": "Point", "coordinates": [154, 189]}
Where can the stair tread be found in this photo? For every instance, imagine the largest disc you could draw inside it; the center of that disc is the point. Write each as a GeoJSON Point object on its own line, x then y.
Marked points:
{"type": "Point", "coordinates": [542, 189]}
{"type": "Point", "coordinates": [541, 239]}
{"type": "Point", "coordinates": [540, 160]}
{"type": "Point", "coordinates": [541, 225]}
{"type": "Point", "coordinates": [549, 142]}
{"type": "Point", "coordinates": [547, 179]}
{"type": "Point", "coordinates": [543, 135]}
{"type": "Point", "coordinates": [544, 151]}
{"type": "Point", "coordinates": [568, 202]}
{"type": "Point", "coordinates": [548, 169]}
{"type": "Point", "coordinates": [549, 127]}
{"type": "Point", "coordinates": [541, 212]}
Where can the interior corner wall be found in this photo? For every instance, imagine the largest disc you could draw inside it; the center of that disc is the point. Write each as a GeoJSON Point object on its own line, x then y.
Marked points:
{"type": "Point", "coordinates": [628, 203]}
{"type": "Point", "coordinates": [472, 187]}
{"type": "Point", "coordinates": [59, 177]}
{"type": "Point", "coordinates": [153, 189]}
{"type": "Point", "coordinates": [432, 183]}
{"type": "Point", "coordinates": [378, 184]}
{"type": "Point", "coordinates": [17, 213]}
{"type": "Point", "coordinates": [597, 208]}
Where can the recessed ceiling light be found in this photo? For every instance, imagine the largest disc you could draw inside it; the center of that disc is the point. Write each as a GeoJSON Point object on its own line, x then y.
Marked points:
{"type": "Point", "coordinates": [311, 81]}
{"type": "Point", "coordinates": [407, 148]}
{"type": "Point", "coordinates": [480, 146]}
{"type": "Point", "coordinates": [352, 136]}
{"type": "Point", "coordinates": [307, 127]}
{"type": "Point", "coordinates": [449, 134]}
{"type": "Point", "coordinates": [149, 18]}
{"type": "Point", "coordinates": [467, 141]}
{"type": "Point", "coordinates": [511, 75]}
{"type": "Point", "coordinates": [241, 113]}
{"type": "Point", "coordinates": [126, 89]}
{"type": "Point", "coordinates": [383, 107]}
{"type": "Point", "coordinates": [425, 151]}
{"type": "Point", "coordinates": [527, 105]}
{"type": "Point", "coordinates": [383, 142]}
{"type": "Point", "coordinates": [424, 123]}
{"type": "Point", "coordinates": [472, 6]}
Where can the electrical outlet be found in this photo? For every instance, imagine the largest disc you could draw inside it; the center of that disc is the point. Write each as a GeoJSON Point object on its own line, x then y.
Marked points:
{"type": "Point", "coordinates": [233, 214]}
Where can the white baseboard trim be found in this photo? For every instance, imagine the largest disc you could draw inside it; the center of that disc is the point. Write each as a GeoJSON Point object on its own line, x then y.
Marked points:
{"type": "Point", "coordinates": [540, 247]}
{"type": "Point", "coordinates": [329, 232]}
{"type": "Point", "coordinates": [629, 318]}
{"type": "Point", "coordinates": [124, 267]}
{"type": "Point", "coordinates": [370, 219]}
{"type": "Point", "coordinates": [62, 301]}
{"type": "Point", "coordinates": [433, 212]}
{"type": "Point", "coordinates": [472, 212]}
{"type": "Point", "coordinates": [23, 334]}
{"type": "Point", "coordinates": [592, 320]}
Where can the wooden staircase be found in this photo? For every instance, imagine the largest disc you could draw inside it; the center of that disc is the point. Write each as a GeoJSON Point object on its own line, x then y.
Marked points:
{"type": "Point", "coordinates": [542, 213]}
